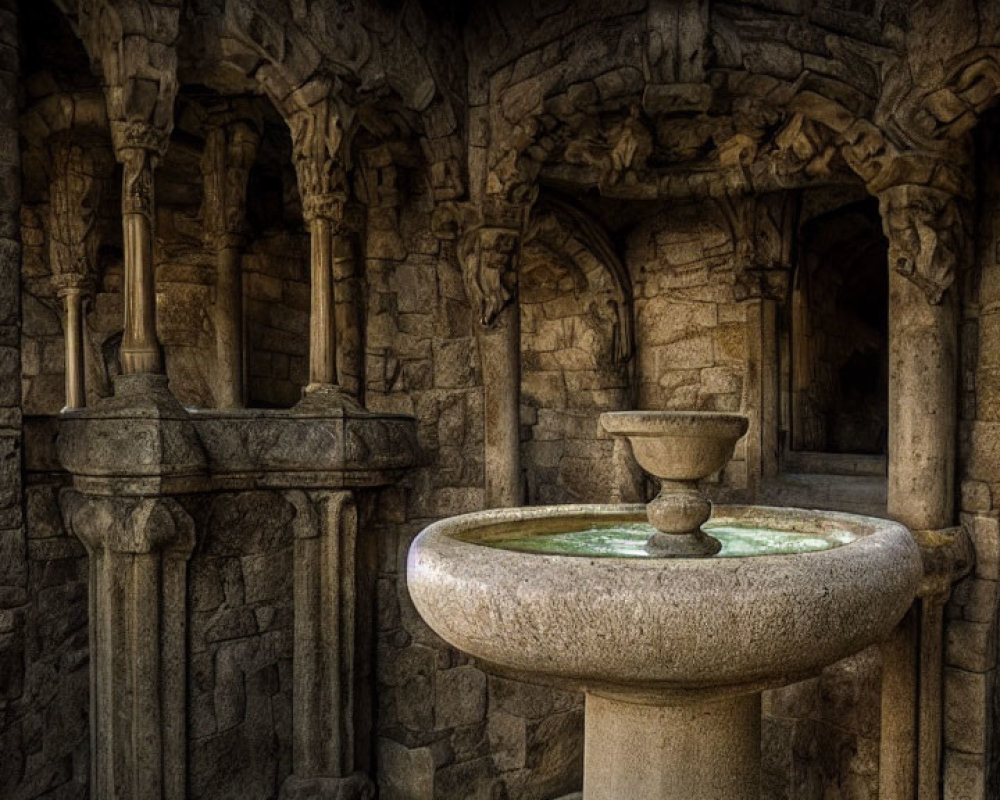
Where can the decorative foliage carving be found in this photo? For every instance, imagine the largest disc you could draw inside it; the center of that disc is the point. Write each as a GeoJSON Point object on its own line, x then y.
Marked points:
{"type": "Point", "coordinates": [137, 181]}
{"type": "Point", "coordinates": [134, 45]}
{"type": "Point", "coordinates": [79, 172]}
{"type": "Point", "coordinates": [621, 151]}
{"type": "Point", "coordinates": [926, 231]}
{"type": "Point", "coordinates": [317, 149]}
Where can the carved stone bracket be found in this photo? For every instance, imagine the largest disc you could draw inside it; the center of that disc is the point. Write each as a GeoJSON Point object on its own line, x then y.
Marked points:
{"type": "Point", "coordinates": [926, 230]}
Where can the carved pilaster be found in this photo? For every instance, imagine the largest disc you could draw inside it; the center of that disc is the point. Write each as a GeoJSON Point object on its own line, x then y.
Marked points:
{"type": "Point", "coordinates": [324, 677]}
{"type": "Point", "coordinates": [138, 548]}
{"type": "Point", "coordinates": [926, 233]}
{"type": "Point", "coordinates": [230, 149]}
{"type": "Point", "coordinates": [488, 250]}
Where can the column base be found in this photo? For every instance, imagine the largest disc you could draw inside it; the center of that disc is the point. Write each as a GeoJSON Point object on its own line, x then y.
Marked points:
{"type": "Point", "coordinates": [699, 751]}
{"type": "Point", "coordinates": [353, 787]}
{"type": "Point", "coordinates": [324, 396]}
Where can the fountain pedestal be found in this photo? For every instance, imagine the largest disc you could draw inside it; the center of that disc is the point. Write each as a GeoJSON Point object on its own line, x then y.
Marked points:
{"type": "Point", "coordinates": [671, 652]}
{"type": "Point", "coordinates": [707, 750]}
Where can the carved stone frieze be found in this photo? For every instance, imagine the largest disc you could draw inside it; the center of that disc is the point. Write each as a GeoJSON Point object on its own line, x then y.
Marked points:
{"type": "Point", "coordinates": [926, 232]}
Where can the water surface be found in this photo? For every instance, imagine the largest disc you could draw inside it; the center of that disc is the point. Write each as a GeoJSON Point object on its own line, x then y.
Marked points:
{"type": "Point", "coordinates": [628, 540]}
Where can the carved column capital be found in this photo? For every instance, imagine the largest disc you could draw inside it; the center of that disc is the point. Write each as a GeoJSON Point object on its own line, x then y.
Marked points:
{"type": "Point", "coordinates": [132, 525]}
{"type": "Point", "coordinates": [926, 229]}
{"type": "Point", "coordinates": [79, 170]}
{"type": "Point", "coordinates": [317, 137]}
{"type": "Point", "coordinates": [230, 150]}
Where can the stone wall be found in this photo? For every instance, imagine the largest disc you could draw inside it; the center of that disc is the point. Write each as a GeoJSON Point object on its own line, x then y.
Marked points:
{"type": "Point", "coordinates": [972, 691]}
{"type": "Point", "coordinates": [691, 332]}
{"type": "Point", "coordinates": [240, 646]}
{"type": "Point", "coordinates": [445, 729]}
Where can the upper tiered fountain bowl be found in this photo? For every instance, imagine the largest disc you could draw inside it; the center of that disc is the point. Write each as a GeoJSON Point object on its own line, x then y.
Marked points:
{"type": "Point", "coordinates": [672, 622]}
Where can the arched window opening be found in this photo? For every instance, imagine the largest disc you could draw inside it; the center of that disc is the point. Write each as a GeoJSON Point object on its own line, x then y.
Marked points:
{"type": "Point", "coordinates": [839, 334]}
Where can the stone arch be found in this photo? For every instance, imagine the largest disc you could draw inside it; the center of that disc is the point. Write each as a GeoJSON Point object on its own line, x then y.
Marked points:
{"type": "Point", "coordinates": [576, 346]}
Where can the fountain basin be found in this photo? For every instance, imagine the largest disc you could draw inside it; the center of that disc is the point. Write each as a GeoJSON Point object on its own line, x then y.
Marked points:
{"type": "Point", "coordinates": [678, 445]}
{"type": "Point", "coordinates": [658, 630]}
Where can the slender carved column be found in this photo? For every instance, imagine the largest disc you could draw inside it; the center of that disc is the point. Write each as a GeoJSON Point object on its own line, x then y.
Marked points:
{"type": "Point", "coordinates": [316, 140]}
{"type": "Point", "coordinates": [490, 255]}
{"type": "Point", "coordinates": [925, 230]}
{"type": "Point", "coordinates": [324, 701]}
{"type": "Point", "coordinates": [138, 550]}
{"type": "Point", "coordinates": [138, 146]}
{"type": "Point", "coordinates": [78, 170]}
{"type": "Point", "coordinates": [230, 149]}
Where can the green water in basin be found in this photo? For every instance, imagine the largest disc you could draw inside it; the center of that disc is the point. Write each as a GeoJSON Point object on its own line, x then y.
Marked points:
{"type": "Point", "coordinates": [628, 540]}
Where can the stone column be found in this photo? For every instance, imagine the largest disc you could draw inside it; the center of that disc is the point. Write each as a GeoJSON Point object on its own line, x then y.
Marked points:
{"type": "Point", "coordinates": [78, 170]}
{"type": "Point", "coordinates": [926, 236]}
{"type": "Point", "coordinates": [138, 550]}
{"type": "Point", "coordinates": [72, 291]}
{"type": "Point", "coordinates": [490, 254]}
{"type": "Point", "coordinates": [138, 146]}
{"type": "Point", "coordinates": [348, 291]}
{"type": "Point", "coordinates": [230, 149]}
{"type": "Point", "coordinates": [316, 141]}
{"type": "Point", "coordinates": [323, 703]}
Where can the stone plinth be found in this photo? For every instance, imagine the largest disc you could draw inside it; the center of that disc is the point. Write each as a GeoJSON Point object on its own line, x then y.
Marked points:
{"type": "Point", "coordinates": [138, 442]}
{"type": "Point", "coordinates": [129, 456]}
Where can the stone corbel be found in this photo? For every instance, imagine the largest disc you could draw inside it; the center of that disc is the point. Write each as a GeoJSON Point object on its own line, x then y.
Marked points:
{"type": "Point", "coordinates": [762, 229]}
{"type": "Point", "coordinates": [926, 230]}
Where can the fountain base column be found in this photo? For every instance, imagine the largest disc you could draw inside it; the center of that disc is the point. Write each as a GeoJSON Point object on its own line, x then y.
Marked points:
{"type": "Point", "coordinates": [700, 751]}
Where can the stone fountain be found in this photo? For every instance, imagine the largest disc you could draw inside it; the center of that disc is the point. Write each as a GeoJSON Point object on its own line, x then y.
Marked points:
{"type": "Point", "coordinates": [670, 618]}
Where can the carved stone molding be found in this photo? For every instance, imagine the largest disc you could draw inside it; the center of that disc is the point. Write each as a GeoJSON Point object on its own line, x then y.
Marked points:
{"type": "Point", "coordinates": [926, 230]}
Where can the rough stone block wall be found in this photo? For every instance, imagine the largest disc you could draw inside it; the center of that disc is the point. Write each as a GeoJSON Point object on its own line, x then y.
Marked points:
{"type": "Point", "coordinates": [691, 333]}
{"type": "Point", "coordinates": [276, 309]}
{"type": "Point", "coordinates": [445, 729]}
{"type": "Point", "coordinates": [240, 640]}
{"type": "Point", "coordinates": [43, 572]}
{"type": "Point", "coordinates": [972, 680]}
{"type": "Point", "coordinates": [569, 375]}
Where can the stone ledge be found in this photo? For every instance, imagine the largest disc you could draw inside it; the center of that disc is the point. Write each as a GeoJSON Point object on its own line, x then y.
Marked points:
{"type": "Point", "coordinates": [306, 448]}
